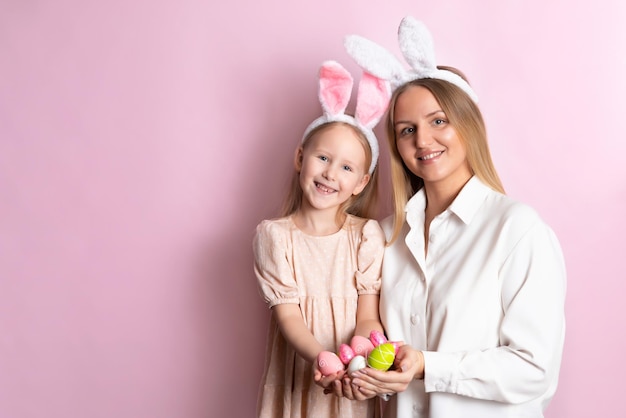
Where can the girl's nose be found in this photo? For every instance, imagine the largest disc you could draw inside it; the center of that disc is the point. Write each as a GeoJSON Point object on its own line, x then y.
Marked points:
{"type": "Point", "coordinates": [329, 173]}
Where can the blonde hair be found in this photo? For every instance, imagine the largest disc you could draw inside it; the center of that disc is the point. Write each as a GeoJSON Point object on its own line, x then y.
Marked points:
{"type": "Point", "coordinates": [363, 205]}
{"type": "Point", "coordinates": [467, 120]}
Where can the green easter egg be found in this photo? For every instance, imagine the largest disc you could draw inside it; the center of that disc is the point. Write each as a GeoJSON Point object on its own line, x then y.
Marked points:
{"type": "Point", "coordinates": [381, 357]}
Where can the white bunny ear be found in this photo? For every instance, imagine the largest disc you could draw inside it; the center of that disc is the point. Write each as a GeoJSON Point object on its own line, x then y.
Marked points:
{"type": "Point", "coordinates": [374, 59]}
{"type": "Point", "coordinates": [372, 100]}
{"type": "Point", "coordinates": [417, 46]}
{"type": "Point", "coordinates": [335, 88]}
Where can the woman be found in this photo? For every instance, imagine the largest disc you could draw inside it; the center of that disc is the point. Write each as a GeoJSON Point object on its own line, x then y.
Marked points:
{"type": "Point", "coordinates": [473, 281]}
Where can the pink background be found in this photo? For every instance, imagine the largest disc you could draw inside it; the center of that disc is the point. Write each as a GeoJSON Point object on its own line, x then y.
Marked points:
{"type": "Point", "coordinates": [141, 142]}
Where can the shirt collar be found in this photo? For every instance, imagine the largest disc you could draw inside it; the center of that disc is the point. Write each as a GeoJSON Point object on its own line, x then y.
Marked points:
{"type": "Point", "coordinates": [465, 205]}
{"type": "Point", "coordinates": [469, 199]}
{"type": "Point", "coordinates": [417, 203]}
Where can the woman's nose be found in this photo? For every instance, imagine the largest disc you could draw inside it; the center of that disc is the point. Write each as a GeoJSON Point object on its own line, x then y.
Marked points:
{"type": "Point", "coordinates": [423, 138]}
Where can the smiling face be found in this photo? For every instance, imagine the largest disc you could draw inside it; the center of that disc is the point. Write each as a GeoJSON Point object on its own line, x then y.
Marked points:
{"type": "Point", "coordinates": [428, 144]}
{"type": "Point", "coordinates": [332, 167]}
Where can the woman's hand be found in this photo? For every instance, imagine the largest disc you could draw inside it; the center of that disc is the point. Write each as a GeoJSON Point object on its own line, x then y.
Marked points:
{"type": "Point", "coordinates": [408, 365]}
{"type": "Point", "coordinates": [353, 392]}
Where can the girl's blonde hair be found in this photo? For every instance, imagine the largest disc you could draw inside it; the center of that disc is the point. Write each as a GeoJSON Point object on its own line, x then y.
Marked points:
{"type": "Point", "coordinates": [363, 205]}
{"type": "Point", "coordinates": [465, 117]}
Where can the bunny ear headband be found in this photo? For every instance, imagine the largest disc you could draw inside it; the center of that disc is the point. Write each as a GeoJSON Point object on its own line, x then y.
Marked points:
{"type": "Point", "coordinates": [416, 44]}
{"type": "Point", "coordinates": [371, 103]}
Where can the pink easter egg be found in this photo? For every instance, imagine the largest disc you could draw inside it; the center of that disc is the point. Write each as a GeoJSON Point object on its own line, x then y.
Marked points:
{"type": "Point", "coordinates": [329, 363]}
{"type": "Point", "coordinates": [346, 353]}
{"type": "Point", "coordinates": [377, 338]}
{"type": "Point", "coordinates": [396, 345]}
{"type": "Point", "coordinates": [361, 345]}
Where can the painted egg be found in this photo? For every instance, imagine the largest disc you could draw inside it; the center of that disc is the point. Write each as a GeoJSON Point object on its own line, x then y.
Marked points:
{"type": "Point", "coordinates": [361, 345]}
{"type": "Point", "coordinates": [381, 357]}
{"type": "Point", "coordinates": [377, 338]}
{"type": "Point", "coordinates": [346, 353]}
{"type": "Point", "coordinates": [329, 363]}
{"type": "Point", "coordinates": [357, 363]}
{"type": "Point", "coordinates": [396, 345]}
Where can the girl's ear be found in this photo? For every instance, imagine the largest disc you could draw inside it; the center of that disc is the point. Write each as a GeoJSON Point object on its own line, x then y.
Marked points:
{"type": "Point", "coordinates": [298, 159]}
{"type": "Point", "coordinates": [359, 188]}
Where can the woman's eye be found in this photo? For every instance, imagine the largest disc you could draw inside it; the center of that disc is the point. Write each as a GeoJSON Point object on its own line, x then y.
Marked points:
{"type": "Point", "coordinates": [407, 131]}
{"type": "Point", "coordinates": [440, 121]}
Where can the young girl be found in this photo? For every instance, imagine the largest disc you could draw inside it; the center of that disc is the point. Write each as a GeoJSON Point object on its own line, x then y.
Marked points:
{"type": "Point", "coordinates": [318, 267]}
{"type": "Point", "coordinates": [473, 281]}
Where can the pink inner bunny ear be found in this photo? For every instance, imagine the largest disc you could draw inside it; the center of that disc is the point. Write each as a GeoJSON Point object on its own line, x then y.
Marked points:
{"type": "Point", "coordinates": [335, 88]}
{"type": "Point", "coordinates": [372, 100]}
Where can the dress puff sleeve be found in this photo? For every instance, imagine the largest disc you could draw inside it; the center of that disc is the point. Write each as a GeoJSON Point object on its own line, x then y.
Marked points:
{"type": "Point", "coordinates": [370, 258]}
{"type": "Point", "coordinates": [274, 274]}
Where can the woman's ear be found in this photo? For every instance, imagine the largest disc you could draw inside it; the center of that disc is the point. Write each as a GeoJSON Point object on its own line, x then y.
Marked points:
{"type": "Point", "coordinates": [359, 188]}
{"type": "Point", "coordinates": [298, 159]}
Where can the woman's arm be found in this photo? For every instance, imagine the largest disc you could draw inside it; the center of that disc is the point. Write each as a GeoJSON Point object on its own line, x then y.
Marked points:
{"type": "Point", "coordinates": [525, 364]}
{"type": "Point", "coordinates": [408, 365]}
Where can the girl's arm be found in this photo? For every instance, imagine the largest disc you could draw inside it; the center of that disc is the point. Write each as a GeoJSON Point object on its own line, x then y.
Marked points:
{"type": "Point", "coordinates": [368, 278]}
{"type": "Point", "coordinates": [367, 317]}
{"type": "Point", "coordinates": [291, 324]}
{"type": "Point", "coordinates": [367, 320]}
{"type": "Point", "coordinates": [370, 257]}
{"type": "Point", "coordinates": [295, 331]}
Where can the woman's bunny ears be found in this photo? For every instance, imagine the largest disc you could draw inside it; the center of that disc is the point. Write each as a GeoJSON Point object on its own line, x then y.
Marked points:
{"type": "Point", "coordinates": [372, 100]}
{"type": "Point", "coordinates": [416, 44]}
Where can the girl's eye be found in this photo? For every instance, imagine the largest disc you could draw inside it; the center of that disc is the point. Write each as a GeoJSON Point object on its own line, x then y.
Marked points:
{"type": "Point", "coordinates": [323, 158]}
{"type": "Point", "coordinates": [347, 168]}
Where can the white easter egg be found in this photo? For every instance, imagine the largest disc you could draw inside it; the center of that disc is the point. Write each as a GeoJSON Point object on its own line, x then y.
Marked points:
{"type": "Point", "coordinates": [357, 363]}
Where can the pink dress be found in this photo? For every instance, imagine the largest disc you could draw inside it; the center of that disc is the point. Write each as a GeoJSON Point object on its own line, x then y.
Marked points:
{"type": "Point", "coordinates": [324, 275]}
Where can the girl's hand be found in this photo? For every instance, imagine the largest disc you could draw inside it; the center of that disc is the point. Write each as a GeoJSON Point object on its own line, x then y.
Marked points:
{"type": "Point", "coordinates": [330, 383]}
{"type": "Point", "coordinates": [346, 389]}
{"type": "Point", "coordinates": [408, 365]}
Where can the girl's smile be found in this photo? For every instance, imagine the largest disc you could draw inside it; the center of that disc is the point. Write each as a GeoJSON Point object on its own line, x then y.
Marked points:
{"type": "Point", "coordinates": [324, 189]}
{"type": "Point", "coordinates": [332, 168]}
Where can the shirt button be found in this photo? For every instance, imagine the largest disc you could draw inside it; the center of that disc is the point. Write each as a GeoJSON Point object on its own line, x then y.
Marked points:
{"type": "Point", "coordinates": [433, 237]}
{"type": "Point", "coordinates": [415, 319]}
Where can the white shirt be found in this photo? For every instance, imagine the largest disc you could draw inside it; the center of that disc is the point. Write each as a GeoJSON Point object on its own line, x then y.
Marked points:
{"type": "Point", "coordinates": [486, 307]}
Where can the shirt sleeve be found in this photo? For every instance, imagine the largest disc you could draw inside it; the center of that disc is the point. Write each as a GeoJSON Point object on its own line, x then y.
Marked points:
{"type": "Point", "coordinates": [370, 258]}
{"type": "Point", "coordinates": [526, 364]}
{"type": "Point", "coordinates": [274, 274]}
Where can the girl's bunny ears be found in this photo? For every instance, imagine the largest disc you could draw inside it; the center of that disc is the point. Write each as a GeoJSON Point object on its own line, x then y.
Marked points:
{"type": "Point", "coordinates": [416, 44]}
{"type": "Point", "coordinates": [371, 103]}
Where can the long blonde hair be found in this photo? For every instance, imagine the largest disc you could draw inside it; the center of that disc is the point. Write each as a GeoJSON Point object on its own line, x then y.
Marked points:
{"type": "Point", "coordinates": [363, 205]}
{"type": "Point", "coordinates": [467, 120]}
